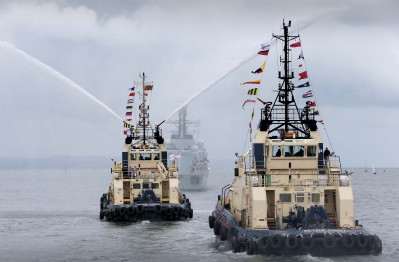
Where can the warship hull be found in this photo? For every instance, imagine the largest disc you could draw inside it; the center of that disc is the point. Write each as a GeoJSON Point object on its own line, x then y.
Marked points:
{"type": "Point", "coordinates": [316, 242]}
{"type": "Point", "coordinates": [193, 181]}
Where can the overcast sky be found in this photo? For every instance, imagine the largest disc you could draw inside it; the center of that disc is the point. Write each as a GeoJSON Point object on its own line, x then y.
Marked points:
{"type": "Point", "coordinates": [350, 47]}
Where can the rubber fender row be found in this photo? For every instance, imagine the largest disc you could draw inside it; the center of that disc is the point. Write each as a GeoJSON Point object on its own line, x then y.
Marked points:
{"type": "Point", "coordinates": [277, 242]}
{"type": "Point", "coordinates": [221, 228]}
{"type": "Point", "coordinates": [131, 212]}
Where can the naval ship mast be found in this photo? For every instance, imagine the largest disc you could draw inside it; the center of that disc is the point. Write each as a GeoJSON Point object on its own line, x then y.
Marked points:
{"type": "Point", "coordinates": [284, 114]}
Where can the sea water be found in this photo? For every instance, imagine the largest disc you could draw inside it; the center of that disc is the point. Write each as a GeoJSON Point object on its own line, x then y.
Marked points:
{"type": "Point", "coordinates": [53, 215]}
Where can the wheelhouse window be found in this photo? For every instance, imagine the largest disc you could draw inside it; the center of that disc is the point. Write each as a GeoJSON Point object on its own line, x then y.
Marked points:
{"type": "Point", "coordinates": [156, 156]}
{"type": "Point", "coordinates": [300, 197]}
{"type": "Point", "coordinates": [285, 198]}
{"type": "Point", "coordinates": [276, 151]}
{"type": "Point", "coordinates": [299, 151]}
{"type": "Point", "coordinates": [294, 151]}
{"type": "Point", "coordinates": [315, 198]}
{"type": "Point", "coordinates": [311, 151]}
{"type": "Point", "coordinates": [136, 186]}
{"type": "Point", "coordinates": [133, 156]}
{"type": "Point", "coordinates": [146, 185]}
{"type": "Point", "coordinates": [155, 186]}
{"type": "Point", "coordinates": [145, 156]}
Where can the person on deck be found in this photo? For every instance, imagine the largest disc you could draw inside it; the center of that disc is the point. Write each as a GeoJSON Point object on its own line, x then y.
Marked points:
{"type": "Point", "coordinates": [326, 156]}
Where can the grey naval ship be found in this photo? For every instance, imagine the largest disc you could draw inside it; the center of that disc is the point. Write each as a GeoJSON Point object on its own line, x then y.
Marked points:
{"type": "Point", "coordinates": [289, 194]}
{"type": "Point", "coordinates": [189, 153]}
{"type": "Point", "coordinates": [143, 186]}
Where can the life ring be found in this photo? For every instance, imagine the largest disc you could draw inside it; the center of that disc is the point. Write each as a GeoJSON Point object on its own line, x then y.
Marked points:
{"type": "Point", "coordinates": [329, 242]}
{"type": "Point", "coordinates": [348, 241]}
{"type": "Point", "coordinates": [216, 227]}
{"type": "Point", "coordinates": [276, 241]}
{"type": "Point", "coordinates": [361, 241]}
{"type": "Point", "coordinates": [264, 243]}
{"type": "Point", "coordinates": [130, 210]}
{"type": "Point", "coordinates": [236, 245]}
{"type": "Point", "coordinates": [211, 220]}
{"type": "Point", "coordinates": [291, 242]}
{"type": "Point", "coordinates": [251, 246]}
{"type": "Point", "coordinates": [307, 243]}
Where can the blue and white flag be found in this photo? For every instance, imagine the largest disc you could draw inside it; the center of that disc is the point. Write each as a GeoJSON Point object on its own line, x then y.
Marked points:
{"type": "Point", "coordinates": [307, 84]}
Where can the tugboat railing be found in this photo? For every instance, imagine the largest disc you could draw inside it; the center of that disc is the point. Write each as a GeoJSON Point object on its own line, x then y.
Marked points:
{"type": "Point", "coordinates": [265, 180]}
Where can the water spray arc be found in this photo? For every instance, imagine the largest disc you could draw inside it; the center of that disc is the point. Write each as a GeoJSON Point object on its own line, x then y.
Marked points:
{"type": "Point", "coordinates": [57, 74]}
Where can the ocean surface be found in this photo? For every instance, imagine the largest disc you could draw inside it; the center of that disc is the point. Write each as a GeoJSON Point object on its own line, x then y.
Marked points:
{"type": "Point", "coordinates": [52, 215]}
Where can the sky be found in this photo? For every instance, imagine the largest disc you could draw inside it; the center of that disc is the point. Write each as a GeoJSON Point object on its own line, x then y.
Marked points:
{"type": "Point", "coordinates": [350, 47]}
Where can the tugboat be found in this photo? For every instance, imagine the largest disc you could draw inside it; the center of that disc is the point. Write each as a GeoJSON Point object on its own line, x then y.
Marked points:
{"type": "Point", "coordinates": [191, 154]}
{"type": "Point", "coordinates": [290, 196]}
{"type": "Point", "coordinates": [143, 187]}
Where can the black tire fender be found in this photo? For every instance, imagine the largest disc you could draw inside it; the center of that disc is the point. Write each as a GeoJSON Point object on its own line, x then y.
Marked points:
{"type": "Point", "coordinates": [329, 242]}
{"type": "Point", "coordinates": [307, 243]}
{"type": "Point", "coordinates": [236, 245]}
{"type": "Point", "coordinates": [264, 243]}
{"type": "Point", "coordinates": [372, 241]}
{"type": "Point", "coordinates": [276, 241]}
{"type": "Point", "coordinates": [123, 211]}
{"type": "Point", "coordinates": [130, 210]}
{"type": "Point", "coordinates": [378, 247]}
{"type": "Point", "coordinates": [348, 241]}
{"type": "Point", "coordinates": [362, 240]}
{"type": "Point", "coordinates": [216, 227]}
{"type": "Point", "coordinates": [291, 242]}
{"type": "Point", "coordinates": [169, 211]}
{"type": "Point", "coordinates": [251, 246]}
{"type": "Point", "coordinates": [117, 211]}
{"type": "Point", "coordinates": [223, 233]}
{"type": "Point", "coordinates": [211, 220]}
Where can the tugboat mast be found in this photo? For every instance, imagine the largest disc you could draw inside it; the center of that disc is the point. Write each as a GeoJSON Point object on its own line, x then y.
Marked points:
{"type": "Point", "coordinates": [143, 111]}
{"type": "Point", "coordinates": [286, 89]}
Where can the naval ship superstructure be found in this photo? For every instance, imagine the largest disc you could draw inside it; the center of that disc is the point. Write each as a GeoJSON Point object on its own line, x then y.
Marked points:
{"type": "Point", "coordinates": [289, 195]}
{"type": "Point", "coordinates": [189, 153]}
{"type": "Point", "coordinates": [143, 186]}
